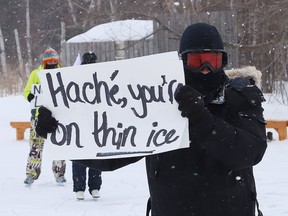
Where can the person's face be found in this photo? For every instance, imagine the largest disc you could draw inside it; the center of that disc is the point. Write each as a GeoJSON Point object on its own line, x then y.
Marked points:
{"type": "Point", "coordinates": [51, 64]}
{"type": "Point", "coordinates": [204, 62]}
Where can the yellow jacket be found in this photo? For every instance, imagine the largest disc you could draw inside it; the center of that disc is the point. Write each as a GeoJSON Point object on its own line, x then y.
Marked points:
{"type": "Point", "coordinates": [33, 79]}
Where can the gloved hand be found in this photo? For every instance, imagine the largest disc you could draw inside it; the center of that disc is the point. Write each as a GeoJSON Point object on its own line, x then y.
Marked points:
{"type": "Point", "coordinates": [46, 122]}
{"type": "Point", "coordinates": [30, 97]}
{"type": "Point", "coordinates": [190, 102]}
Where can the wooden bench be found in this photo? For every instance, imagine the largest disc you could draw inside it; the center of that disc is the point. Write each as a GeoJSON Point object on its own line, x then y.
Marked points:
{"type": "Point", "coordinates": [279, 126]}
{"type": "Point", "coordinates": [20, 128]}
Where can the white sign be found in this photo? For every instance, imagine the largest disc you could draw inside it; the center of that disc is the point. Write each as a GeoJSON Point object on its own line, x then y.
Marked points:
{"type": "Point", "coordinates": [115, 109]}
{"type": "Point", "coordinates": [36, 102]}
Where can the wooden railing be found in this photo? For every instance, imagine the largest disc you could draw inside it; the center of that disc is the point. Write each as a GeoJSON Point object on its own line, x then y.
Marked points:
{"type": "Point", "coordinates": [279, 126]}
{"type": "Point", "coordinates": [20, 128]}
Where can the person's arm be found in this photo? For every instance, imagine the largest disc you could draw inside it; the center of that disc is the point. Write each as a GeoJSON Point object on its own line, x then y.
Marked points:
{"type": "Point", "coordinates": [33, 79]}
{"type": "Point", "coordinates": [27, 89]}
{"type": "Point", "coordinates": [108, 164]}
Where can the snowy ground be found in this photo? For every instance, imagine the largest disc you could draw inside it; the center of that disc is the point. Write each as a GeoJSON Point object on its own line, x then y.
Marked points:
{"type": "Point", "coordinates": [124, 192]}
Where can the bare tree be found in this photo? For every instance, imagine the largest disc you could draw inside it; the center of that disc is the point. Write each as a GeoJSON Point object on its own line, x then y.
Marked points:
{"type": "Point", "coordinates": [2, 54]}
{"type": "Point", "coordinates": [28, 35]}
{"type": "Point", "coordinates": [63, 34]}
{"type": "Point", "coordinates": [91, 9]}
{"type": "Point", "coordinates": [113, 4]}
{"type": "Point", "coordinates": [72, 12]}
{"type": "Point", "coordinates": [261, 26]}
{"type": "Point", "coordinates": [20, 59]}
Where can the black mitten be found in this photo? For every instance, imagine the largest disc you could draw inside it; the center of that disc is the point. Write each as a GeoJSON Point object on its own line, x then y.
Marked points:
{"type": "Point", "coordinates": [190, 103]}
{"type": "Point", "coordinates": [30, 97]}
{"type": "Point", "coordinates": [46, 122]}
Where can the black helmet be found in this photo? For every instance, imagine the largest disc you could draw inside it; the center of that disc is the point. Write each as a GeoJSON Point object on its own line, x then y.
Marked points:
{"type": "Point", "coordinates": [201, 37]}
{"type": "Point", "coordinates": [88, 58]}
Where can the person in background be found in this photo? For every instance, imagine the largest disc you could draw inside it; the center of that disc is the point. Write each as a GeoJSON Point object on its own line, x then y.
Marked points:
{"type": "Point", "coordinates": [79, 171]}
{"type": "Point", "coordinates": [33, 168]}
{"type": "Point", "coordinates": [214, 175]}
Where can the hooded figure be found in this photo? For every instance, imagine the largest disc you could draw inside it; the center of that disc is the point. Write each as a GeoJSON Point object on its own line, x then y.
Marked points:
{"type": "Point", "coordinates": [89, 58]}
{"type": "Point", "coordinates": [214, 176]}
{"type": "Point", "coordinates": [79, 172]}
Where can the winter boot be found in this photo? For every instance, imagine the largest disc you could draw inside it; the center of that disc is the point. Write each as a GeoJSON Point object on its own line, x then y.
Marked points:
{"type": "Point", "coordinates": [269, 136]}
{"type": "Point", "coordinates": [60, 179]}
{"type": "Point", "coordinates": [95, 193]}
{"type": "Point", "coordinates": [28, 181]}
{"type": "Point", "coordinates": [80, 195]}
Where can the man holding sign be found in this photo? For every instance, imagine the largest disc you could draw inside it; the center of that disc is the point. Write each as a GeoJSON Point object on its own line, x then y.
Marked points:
{"type": "Point", "coordinates": [212, 175]}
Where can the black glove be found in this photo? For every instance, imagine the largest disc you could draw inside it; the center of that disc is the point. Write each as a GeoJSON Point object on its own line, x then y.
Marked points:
{"type": "Point", "coordinates": [30, 97]}
{"type": "Point", "coordinates": [190, 103]}
{"type": "Point", "coordinates": [46, 122]}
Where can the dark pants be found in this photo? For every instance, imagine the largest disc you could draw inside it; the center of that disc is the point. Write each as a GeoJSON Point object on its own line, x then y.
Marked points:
{"type": "Point", "coordinates": [79, 178]}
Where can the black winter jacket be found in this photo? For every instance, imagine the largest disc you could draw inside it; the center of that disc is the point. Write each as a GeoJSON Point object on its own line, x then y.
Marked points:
{"type": "Point", "coordinates": [214, 176]}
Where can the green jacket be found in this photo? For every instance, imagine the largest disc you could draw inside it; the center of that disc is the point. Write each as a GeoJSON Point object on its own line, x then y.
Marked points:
{"type": "Point", "coordinates": [33, 79]}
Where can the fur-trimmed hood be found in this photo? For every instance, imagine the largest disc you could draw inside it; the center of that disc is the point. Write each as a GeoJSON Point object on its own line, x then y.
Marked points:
{"type": "Point", "coordinates": [248, 71]}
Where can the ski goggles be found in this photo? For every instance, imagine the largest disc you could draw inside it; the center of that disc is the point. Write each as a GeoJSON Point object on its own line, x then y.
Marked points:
{"type": "Point", "coordinates": [196, 60]}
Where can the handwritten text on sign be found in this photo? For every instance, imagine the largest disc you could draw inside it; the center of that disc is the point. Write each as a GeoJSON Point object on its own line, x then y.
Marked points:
{"type": "Point", "coordinates": [115, 109]}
